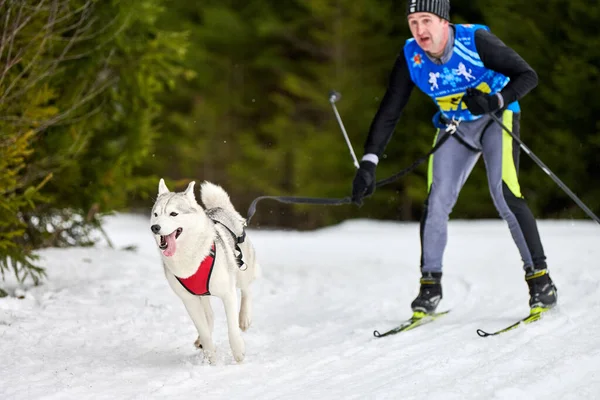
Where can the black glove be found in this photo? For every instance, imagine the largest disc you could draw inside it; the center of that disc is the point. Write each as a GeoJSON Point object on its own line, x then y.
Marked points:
{"type": "Point", "coordinates": [364, 182]}
{"type": "Point", "coordinates": [480, 103]}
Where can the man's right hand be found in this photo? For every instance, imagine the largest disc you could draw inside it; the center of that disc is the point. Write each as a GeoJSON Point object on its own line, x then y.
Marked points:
{"type": "Point", "coordinates": [364, 182]}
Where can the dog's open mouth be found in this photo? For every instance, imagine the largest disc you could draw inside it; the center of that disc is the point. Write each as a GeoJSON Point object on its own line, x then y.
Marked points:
{"type": "Point", "coordinates": [168, 242]}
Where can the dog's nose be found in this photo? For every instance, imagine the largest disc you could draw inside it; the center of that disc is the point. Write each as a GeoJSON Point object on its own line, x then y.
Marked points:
{"type": "Point", "coordinates": [155, 228]}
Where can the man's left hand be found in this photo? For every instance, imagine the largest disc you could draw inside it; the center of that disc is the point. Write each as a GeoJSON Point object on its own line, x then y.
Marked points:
{"type": "Point", "coordinates": [480, 103]}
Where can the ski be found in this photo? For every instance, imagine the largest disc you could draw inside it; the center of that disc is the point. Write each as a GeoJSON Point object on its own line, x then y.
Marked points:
{"type": "Point", "coordinates": [534, 315]}
{"type": "Point", "coordinates": [418, 319]}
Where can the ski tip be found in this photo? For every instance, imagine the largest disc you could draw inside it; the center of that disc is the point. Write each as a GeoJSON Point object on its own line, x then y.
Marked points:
{"type": "Point", "coordinates": [376, 334]}
{"type": "Point", "coordinates": [482, 333]}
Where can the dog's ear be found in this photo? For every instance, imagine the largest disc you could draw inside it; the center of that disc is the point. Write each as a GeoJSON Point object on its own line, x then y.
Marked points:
{"type": "Point", "coordinates": [162, 187]}
{"type": "Point", "coordinates": [189, 192]}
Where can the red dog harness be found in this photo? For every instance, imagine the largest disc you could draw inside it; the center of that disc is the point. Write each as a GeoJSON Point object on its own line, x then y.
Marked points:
{"type": "Point", "coordinates": [197, 284]}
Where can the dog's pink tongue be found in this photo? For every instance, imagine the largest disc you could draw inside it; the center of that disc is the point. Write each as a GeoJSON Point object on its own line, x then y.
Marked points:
{"type": "Point", "coordinates": [171, 245]}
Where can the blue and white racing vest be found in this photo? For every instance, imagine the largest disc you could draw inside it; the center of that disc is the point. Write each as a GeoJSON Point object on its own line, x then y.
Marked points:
{"type": "Point", "coordinates": [447, 83]}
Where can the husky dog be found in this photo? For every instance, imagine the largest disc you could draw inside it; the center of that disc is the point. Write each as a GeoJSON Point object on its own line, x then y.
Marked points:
{"type": "Point", "coordinates": [205, 252]}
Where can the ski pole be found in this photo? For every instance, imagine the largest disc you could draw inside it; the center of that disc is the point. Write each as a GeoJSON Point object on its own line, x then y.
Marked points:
{"type": "Point", "coordinates": [548, 171]}
{"type": "Point", "coordinates": [333, 97]}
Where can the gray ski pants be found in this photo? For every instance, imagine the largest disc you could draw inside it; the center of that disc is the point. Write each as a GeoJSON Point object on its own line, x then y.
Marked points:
{"type": "Point", "coordinates": [449, 168]}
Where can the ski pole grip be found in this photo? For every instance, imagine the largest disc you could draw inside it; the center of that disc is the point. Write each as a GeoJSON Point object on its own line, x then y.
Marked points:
{"type": "Point", "coordinates": [334, 96]}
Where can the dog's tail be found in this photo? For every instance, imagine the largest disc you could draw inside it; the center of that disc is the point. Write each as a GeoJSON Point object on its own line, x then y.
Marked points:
{"type": "Point", "coordinates": [214, 196]}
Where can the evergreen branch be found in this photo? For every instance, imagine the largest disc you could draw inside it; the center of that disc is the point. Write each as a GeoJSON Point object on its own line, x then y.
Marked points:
{"type": "Point", "coordinates": [94, 91]}
{"type": "Point", "coordinates": [97, 32]}
{"type": "Point", "coordinates": [20, 121]}
{"type": "Point", "coordinates": [10, 63]}
{"type": "Point", "coordinates": [25, 70]}
{"type": "Point", "coordinates": [67, 16]}
{"type": "Point", "coordinates": [102, 44]}
{"type": "Point", "coordinates": [51, 68]}
{"type": "Point", "coordinates": [56, 160]}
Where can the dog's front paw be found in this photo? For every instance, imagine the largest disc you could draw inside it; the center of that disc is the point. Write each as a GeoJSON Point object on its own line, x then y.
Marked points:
{"type": "Point", "coordinates": [197, 343]}
{"type": "Point", "coordinates": [210, 356]}
{"type": "Point", "coordinates": [239, 357]}
{"type": "Point", "coordinates": [239, 350]}
{"type": "Point", "coordinates": [245, 321]}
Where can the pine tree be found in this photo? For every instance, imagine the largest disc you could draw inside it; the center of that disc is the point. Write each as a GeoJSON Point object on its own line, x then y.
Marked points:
{"type": "Point", "coordinates": [81, 83]}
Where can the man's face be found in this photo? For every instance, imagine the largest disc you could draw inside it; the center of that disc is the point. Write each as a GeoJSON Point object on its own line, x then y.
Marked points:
{"type": "Point", "coordinates": [430, 31]}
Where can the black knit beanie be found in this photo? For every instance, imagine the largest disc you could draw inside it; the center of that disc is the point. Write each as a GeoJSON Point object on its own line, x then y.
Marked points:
{"type": "Point", "coordinates": [441, 8]}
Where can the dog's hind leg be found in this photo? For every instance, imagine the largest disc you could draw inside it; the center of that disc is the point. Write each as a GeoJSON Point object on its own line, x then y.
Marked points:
{"type": "Point", "coordinates": [197, 311]}
{"type": "Point", "coordinates": [236, 342]}
{"type": "Point", "coordinates": [246, 309]}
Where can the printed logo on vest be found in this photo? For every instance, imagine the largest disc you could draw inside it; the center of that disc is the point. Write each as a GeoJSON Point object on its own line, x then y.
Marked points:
{"type": "Point", "coordinates": [462, 71]}
{"type": "Point", "coordinates": [449, 77]}
{"type": "Point", "coordinates": [433, 77]}
{"type": "Point", "coordinates": [417, 60]}
{"type": "Point", "coordinates": [450, 103]}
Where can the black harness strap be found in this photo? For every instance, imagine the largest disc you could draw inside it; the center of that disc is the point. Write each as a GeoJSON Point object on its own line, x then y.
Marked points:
{"type": "Point", "coordinates": [237, 240]}
{"type": "Point", "coordinates": [450, 130]}
{"type": "Point", "coordinates": [297, 200]}
{"type": "Point", "coordinates": [414, 165]}
{"type": "Point", "coordinates": [238, 252]}
{"type": "Point", "coordinates": [453, 124]}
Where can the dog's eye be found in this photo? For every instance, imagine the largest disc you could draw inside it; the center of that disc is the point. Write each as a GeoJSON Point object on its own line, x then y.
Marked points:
{"type": "Point", "coordinates": [173, 214]}
{"type": "Point", "coordinates": [155, 214]}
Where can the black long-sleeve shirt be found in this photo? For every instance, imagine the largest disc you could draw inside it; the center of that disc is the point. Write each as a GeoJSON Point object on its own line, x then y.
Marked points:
{"type": "Point", "coordinates": [494, 54]}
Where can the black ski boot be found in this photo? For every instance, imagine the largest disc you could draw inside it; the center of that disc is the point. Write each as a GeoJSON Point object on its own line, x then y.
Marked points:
{"type": "Point", "coordinates": [542, 291]}
{"type": "Point", "coordinates": [430, 294]}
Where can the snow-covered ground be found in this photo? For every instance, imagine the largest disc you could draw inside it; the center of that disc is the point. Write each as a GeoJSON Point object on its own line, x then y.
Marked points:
{"type": "Point", "coordinates": [105, 325]}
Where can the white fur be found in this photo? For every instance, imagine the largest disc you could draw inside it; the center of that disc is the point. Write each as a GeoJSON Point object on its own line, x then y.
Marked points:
{"type": "Point", "coordinates": [193, 245]}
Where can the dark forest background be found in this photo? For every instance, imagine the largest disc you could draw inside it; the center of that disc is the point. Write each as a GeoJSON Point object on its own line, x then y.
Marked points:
{"type": "Point", "coordinates": [99, 99]}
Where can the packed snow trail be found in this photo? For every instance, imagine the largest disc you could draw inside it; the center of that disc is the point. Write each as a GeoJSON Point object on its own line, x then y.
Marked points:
{"type": "Point", "coordinates": [105, 325]}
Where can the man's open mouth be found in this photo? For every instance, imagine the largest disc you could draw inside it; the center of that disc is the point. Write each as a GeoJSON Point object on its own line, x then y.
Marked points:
{"type": "Point", "coordinates": [165, 240]}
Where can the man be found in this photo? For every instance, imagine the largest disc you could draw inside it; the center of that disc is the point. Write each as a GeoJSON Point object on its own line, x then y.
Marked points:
{"type": "Point", "coordinates": [469, 73]}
